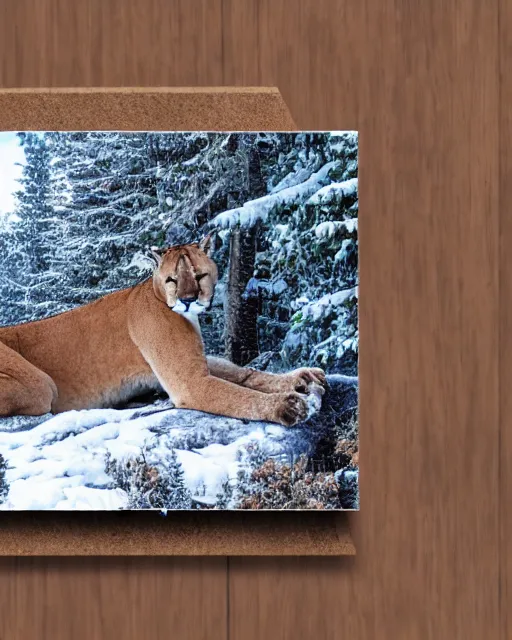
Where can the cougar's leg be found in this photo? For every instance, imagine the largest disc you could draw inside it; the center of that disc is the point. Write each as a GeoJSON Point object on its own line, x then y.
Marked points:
{"type": "Point", "coordinates": [182, 369]}
{"type": "Point", "coordinates": [296, 380]}
{"type": "Point", "coordinates": [244, 376]}
{"type": "Point", "coordinates": [24, 389]}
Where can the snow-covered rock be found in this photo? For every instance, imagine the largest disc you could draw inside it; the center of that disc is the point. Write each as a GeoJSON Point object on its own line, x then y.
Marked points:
{"type": "Point", "coordinates": [58, 462]}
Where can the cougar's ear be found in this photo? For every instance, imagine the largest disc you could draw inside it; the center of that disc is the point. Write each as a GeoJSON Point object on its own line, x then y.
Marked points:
{"type": "Point", "coordinates": [156, 254]}
{"type": "Point", "coordinates": [207, 244]}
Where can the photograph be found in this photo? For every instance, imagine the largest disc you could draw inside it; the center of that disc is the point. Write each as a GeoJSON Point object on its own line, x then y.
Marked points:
{"type": "Point", "coordinates": [179, 320]}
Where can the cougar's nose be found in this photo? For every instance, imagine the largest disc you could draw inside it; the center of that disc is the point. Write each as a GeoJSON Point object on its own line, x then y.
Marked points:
{"type": "Point", "coordinates": [187, 302]}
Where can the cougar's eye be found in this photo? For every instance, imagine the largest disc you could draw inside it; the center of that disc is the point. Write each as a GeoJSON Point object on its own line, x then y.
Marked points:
{"type": "Point", "coordinates": [200, 277]}
{"type": "Point", "coordinates": [169, 279]}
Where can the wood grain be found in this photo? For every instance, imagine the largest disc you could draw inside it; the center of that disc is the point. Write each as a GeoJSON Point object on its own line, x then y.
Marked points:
{"type": "Point", "coordinates": [420, 82]}
{"type": "Point", "coordinates": [505, 333]}
{"type": "Point", "coordinates": [56, 43]}
{"type": "Point", "coordinates": [130, 598]}
{"type": "Point", "coordinates": [314, 52]}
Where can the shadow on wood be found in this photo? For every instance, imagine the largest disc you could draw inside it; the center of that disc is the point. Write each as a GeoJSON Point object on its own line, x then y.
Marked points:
{"type": "Point", "coordinates": [178, 534]}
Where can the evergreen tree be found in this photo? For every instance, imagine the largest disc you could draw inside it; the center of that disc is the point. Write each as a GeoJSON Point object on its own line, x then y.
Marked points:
{"type": "Point", "coordinates": [266, 483]}
{"type": "Point", "coordinates": [108, 203]}
{"type": "Point", "coordinates": [305, 276]}
{"type": "Point", "coordinates": [13, 307]}
{"type": "Point", "coordinates": [176, 495]}
{"type": "Point", "coordinates": [284, 205]}
{"type": "Point", "coordinates": [317, 256]}
{"type": "Point", "coordinates": [28, 244]}
{"type": "Point", "coordinates": [117, 195]}
{"type": "Point", "coordinates": [34, 203]}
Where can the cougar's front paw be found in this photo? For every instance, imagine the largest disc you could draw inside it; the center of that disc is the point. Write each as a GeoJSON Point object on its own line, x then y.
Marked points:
{"type": "Point", "coordinates": [302, 378]}
{"type": "Point", "coordinates": [291, 409]}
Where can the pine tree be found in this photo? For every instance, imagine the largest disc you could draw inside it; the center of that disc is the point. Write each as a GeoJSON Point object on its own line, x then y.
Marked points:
{"type": "Point", "coordinates": [13, 308]}
{"type": "Point", "coordinates": [34, 203]}
{"type": "Point", "coordinates": [176, 495]}
{"type": "Point", "coordinates": [324, 257]}
{"type": "Point", "coordinates": [117, 195]}
{"type": "Point", "coordinates": [305, 275]}
{"type": "Point", "coordinates": [29, 243]}
{"type": "Point", "coordinates": [107, 200]}
{"type": "Point", "coordinates": [92, 203]}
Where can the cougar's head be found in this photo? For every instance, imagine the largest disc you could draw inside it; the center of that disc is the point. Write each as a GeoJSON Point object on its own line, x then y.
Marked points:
{"type": "Point", "coordinates": [185, 276]}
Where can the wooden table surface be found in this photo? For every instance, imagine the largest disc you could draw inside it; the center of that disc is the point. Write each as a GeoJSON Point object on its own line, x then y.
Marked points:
{"type": "Point", "coordinates": [428, 85]}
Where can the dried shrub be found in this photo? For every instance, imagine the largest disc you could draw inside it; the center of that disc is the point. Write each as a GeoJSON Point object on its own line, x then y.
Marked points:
{"type": "Point", "coordinates": [276, 485]}
{"type": "Point", "coordinates": [346, 444]}
{"type": "Point", "coordinates": [4, 485]}
{"type": "Point", "coordinates": [150, 486]}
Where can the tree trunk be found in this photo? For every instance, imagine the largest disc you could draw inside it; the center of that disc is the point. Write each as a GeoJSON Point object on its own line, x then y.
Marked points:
{"type": "Point", "coordinates": [241, 329]}
{"type": "Point", "coordinates": [241, 341]}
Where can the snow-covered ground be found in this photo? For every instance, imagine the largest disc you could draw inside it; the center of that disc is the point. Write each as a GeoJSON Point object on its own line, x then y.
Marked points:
{"type": "Point", "coordinates": [58, 462]}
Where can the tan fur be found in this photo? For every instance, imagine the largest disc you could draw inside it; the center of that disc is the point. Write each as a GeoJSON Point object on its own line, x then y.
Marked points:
{"type": "Point", "coordinates": [131, 342]}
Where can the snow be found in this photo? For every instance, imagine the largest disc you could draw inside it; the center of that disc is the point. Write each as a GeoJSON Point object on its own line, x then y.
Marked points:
{"type": "Point", "coordinates": [60, 462]}
{"type": "Point", "coordinates": [340, 378]}
{"type": "Point", "coordinates": [350, 344]}
{"type": "Point", "coordinates": [113, 195]}
{"type": "Point", "coordinates": [282, 230]}
{"type": "Point", "coordinates": [334, 192]}
{"type": "Point", "coordinates": [342, 253]}
{"type": "Point", "coordinates": [345, 140]}
{"type": "Point", "coordinates": [279, 286]}
{"type": "Point", "coordinates": [319, 308]}
{"type": "Point", "coordinates": [254, 210]}
{"type": "Point", "coordinates": [292, 179]}
{"type": "Point", "coordinates": [328, 229]}
{"type": "Point", "coordinates": [254, 285]}
{"type": "Point", "coordinates": [298, 303]}
{"type": "Point", "coordinates": [348, 134]}
{"type": "Point", "coordinates": [88, 498]}
{"type": "Point", "coordinates": [192, 161]}
{"type": "Point", "coordinates": [140, 262]}
{"type": "Point", "coordinates": [321, 351]}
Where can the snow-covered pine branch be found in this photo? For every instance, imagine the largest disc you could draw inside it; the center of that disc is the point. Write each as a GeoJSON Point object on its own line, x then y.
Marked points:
{"type": "Point", "coordinates": [332, 228]}
{"type": "Point", "coordinates": [334, 192]}
{"type": "Point", "coordinates": [325, 331]}
{"type": "Point", "coordinates": [258, 209]}
{"type": "Point", "coordinates": [318, 308]}
{"type": "Point", "coordinates": [292, 179]}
